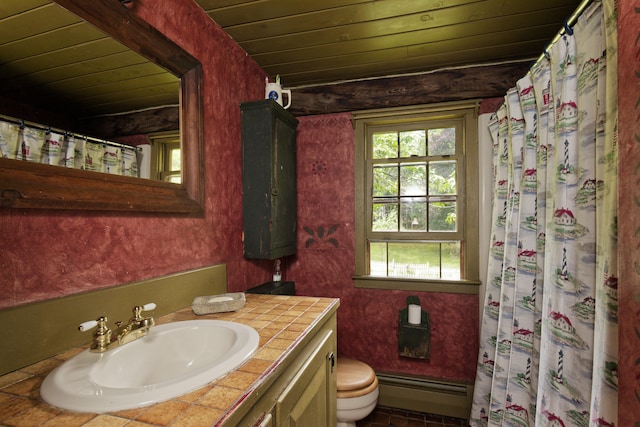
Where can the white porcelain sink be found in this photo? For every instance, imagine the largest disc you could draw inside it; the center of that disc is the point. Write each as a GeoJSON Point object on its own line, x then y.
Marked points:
{"type": "Point", "coordinates": [172, 360]}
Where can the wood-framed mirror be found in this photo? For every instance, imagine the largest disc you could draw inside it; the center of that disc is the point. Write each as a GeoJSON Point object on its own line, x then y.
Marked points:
{"type": "Point", "coordinates": [33, 185]}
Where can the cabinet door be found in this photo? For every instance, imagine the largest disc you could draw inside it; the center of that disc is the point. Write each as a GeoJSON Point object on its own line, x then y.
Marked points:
{"type": "Point", "coordinates": [283, 192]}
{"type": "Point", "coordinates": [310, 399]}
{"type": "Point", "coordinates": [269, 207]}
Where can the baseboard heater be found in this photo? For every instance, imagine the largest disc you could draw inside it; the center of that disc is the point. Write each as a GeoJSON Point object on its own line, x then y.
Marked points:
{"type": "Point", "coordinates": [432, 396]}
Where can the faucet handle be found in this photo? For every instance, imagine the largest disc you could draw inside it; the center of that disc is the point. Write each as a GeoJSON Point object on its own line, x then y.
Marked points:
{"type": "Point", "coordinates": [149, 306]}
{"type": "Point", "coordinates": [138, 309]}
{"type": "Point", "coordinates": [102, 335]}
{"type": "Point", "coordinates": [90, 324]}
{"type": "Point", "coordinates": [85, 326]}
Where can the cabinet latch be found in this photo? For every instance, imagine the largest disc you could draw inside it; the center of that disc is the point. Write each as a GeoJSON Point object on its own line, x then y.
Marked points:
{"type": "Point", "coordinates": [332, 360]}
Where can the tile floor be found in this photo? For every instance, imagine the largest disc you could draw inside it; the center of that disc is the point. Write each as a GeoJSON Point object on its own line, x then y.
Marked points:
{"type": "Point", "coordinates": [391, 417]}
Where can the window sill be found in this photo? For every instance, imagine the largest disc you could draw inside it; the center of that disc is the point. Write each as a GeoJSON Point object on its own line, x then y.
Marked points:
{"type": "Point", "coordinates": [424, 285]}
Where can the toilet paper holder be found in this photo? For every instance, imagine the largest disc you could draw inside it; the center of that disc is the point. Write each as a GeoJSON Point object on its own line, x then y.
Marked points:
{"type": "Point", "coordinates": [414, 331]}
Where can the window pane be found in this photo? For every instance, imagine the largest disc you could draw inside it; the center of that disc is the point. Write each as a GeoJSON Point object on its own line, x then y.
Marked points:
{"type": "Point", "coordinates": [442, 216]}
{"type": "Point", "coordinates": [414, 260]}
{"type": "Point", "coordinates": [175, 159]}
{"type": "Point", "coordinates": [385, 217]}
{"type": "Point", "coordinates": [451, 260]}
{"type": "Point", "coordinates": [175, 178]}
{"type": "Point", "coordinates": [418, 260]}
{"type": "Point", "coordinates": [442, 178]}
{"type": "Point", "coordinates": [413, 143]}
{"type": "Point", "coordinates": [413, 179]}
{"type": "Point", "coordinates": [442, 142]}
{"type": "Point", "coordinates": [385, 181]}
{"type": "Point", "coordinates": [385, 145]}
{"type": "Point", "coordinates": [413, 214]}
{"type": "Point", "coordinates": [378, 258]}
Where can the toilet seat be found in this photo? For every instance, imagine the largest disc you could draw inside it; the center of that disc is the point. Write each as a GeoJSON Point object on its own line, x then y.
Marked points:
{"type": "Point", "coordinates": [354, 378]}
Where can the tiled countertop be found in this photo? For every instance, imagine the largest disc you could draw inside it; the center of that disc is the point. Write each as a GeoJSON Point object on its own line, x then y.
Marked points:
{"type": "Point", "coordinates": [281, 321]}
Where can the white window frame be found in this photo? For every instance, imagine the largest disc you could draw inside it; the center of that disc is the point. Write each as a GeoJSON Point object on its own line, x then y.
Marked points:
{"type": "Point", "coordinates": [464, 113]}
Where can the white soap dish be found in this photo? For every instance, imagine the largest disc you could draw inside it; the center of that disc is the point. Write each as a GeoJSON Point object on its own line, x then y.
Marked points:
{"type": "Point", "coordinates": [218, 303]}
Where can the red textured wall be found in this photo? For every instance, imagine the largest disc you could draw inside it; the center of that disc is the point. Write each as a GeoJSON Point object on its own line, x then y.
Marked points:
{"type": "Point", "coordinates": [324, 265]}
{"type": "Point", "coordinates": [628, 212]}
{"type": "Point", "coordinates": [48, 254]}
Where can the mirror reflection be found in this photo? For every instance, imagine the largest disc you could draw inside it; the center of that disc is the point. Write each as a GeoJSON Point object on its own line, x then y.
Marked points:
{"type": "Point", "coordinates": [72, 96]}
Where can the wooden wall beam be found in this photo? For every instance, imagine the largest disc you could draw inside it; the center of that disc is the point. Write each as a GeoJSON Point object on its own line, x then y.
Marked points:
{"type": "Point", "coordinates": [488, 81]}
{"type": "Point", "coordinates": [141, 122]}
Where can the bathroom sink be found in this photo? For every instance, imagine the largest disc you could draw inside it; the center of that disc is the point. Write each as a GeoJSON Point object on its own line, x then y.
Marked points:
{"type": "Point", "coordinates": [171, 360]}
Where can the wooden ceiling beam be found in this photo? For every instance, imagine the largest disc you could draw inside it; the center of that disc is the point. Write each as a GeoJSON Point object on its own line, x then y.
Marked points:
{"type": "Point", "coordinates": [446, 85]}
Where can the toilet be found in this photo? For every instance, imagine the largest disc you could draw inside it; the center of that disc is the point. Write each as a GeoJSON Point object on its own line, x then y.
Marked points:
{"type": "Point", "coordinates": [357, 391]}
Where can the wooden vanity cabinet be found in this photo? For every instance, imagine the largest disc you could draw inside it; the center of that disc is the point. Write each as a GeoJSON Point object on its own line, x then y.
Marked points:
{"type": "Point", "coordinates": [308, 400]}
{"type": "Point", "coordinates": [303, 392]}
{"type": "Point", "coordinates": [269, 205]}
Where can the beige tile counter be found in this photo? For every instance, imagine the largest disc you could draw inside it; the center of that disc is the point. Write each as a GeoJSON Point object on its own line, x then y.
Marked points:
{"type": "Point", "coordinates": [282, 322]}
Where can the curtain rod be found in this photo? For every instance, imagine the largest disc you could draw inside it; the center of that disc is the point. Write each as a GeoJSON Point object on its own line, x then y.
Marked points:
{"type": "Point", "coordinates": [567, 27]}
{"type": "Point", "coordinates": [90, 139]}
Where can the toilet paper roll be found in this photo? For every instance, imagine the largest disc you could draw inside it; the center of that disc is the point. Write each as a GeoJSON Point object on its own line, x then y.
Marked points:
{"type": "Point", "coordinates": [415, 314]}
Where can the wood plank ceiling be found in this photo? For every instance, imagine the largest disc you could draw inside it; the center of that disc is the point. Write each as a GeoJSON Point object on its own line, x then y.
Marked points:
{"type": "Point", "coordinates": [51, 59]}
{"type": "Point", "coordinates": [319, 42]}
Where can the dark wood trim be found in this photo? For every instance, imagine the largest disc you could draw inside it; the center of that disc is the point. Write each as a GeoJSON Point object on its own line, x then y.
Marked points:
{"type": "Point", "coordinates": [31, 185]}
{"type": "Point", "coordinates": [138, 35]}
{"type": "Point", "coordinates": [39, 186]}
{"type": "Point", "coordinates": [478, 82]}
{"type": "Point", "coordinates": [192, 130]}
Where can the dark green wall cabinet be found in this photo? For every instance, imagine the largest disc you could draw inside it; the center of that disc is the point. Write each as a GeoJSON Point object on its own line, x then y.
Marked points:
{"type": "Point", "coordinates": [268, 180]}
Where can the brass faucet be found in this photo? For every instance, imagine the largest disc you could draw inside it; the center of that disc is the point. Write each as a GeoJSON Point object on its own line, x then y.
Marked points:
{"type": "Point", "coordinates": [105, 339]}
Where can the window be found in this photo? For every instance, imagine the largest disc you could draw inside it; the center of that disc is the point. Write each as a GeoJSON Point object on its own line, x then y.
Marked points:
{"type": "Point", "coordinates": [167, 154]}
{"type": "Point", "coordinates": [417, 223]}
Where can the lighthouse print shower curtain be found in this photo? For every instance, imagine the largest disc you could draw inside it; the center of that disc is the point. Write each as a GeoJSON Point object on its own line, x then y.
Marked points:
{"type": "Point", "coordinates": [548, 343]}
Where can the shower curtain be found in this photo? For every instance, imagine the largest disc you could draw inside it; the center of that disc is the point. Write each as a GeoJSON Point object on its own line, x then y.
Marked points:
{"type": "Point", "coordinates": [548, 340]}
